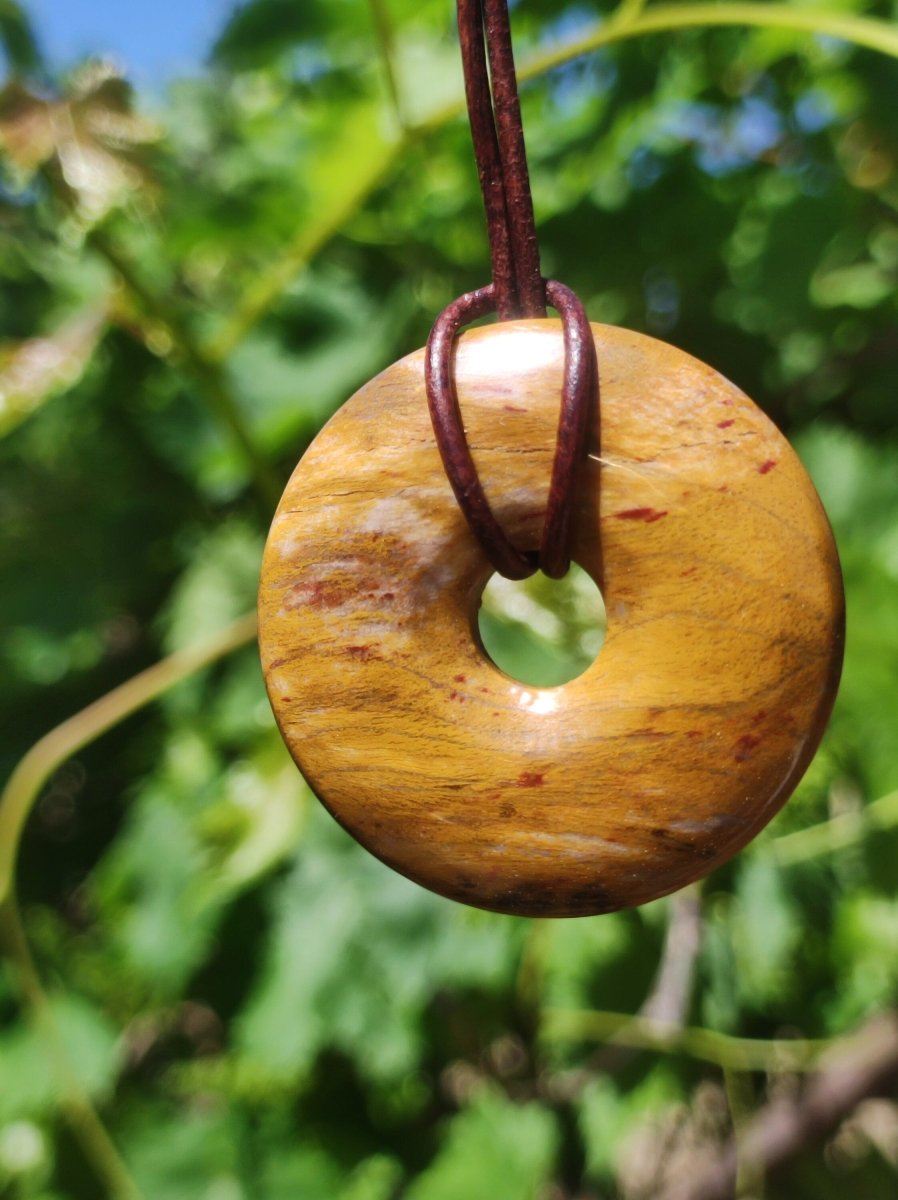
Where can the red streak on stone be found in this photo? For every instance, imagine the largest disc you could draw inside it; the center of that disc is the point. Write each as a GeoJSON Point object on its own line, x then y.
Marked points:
{"type": "Point", "coordinates": [693, 733]}
{"type": "Point", "coordinates": [330, 594]}
{"type": "Point", "coordinates": [486, 691]}
{"type": "Point", "coordinates": [745, 745]}
{"type": "Point", "coordinates": [759, 716]}
{"type": "Point", "coordinates": [387, 596]}
{"type": "Point", "coordinates": [641, 514]}
{"type": "Point", "coordinates": [363, 653]}
{"type": "Point", "coordinates": [457, 696]}
{"type": "Point", "coordinates": [726, 424]}
{"type": "Point", "coordinates": [461, 679]}
{"type": "Point", "coordinates": [723, 488]}
{"type": "Point", "coordinates": [318, 594]}
{"type": "Point", "coordinates": [766, 466]}
{"type": "Point", "coordinates": [688, 571]}
{"type": "Point", "coordinates": [513, 408]}
{"type": "Point", "coordinates": [530, 779]}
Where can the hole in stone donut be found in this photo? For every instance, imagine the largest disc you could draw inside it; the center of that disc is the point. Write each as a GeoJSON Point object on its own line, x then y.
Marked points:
{"type": "Point", "coordinates": [542, 631]}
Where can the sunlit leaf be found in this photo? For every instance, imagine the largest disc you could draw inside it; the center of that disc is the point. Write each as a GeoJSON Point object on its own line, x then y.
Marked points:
{"type": "Point", "coordinates": [90, 136]}
{"type": "Point", "coordinates": [494, 1150]}
{"type": "Point", "coordinates": [39, 368]}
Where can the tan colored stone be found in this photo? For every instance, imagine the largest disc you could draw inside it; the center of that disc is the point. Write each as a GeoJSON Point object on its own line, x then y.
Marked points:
{"type": "Point", "coordinates": [700, 714]}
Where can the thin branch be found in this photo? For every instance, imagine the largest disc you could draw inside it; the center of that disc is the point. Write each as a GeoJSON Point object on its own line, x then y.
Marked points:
{"type": "Point", "coordinates": [215, 389]}
{"type": "Point", "coordinates": [671, 992]}
{"type": "Point", "coordinates": [835, 834]}
{"type": "Point", "coordinates": [667, 1002]}
{"type": "Point", "coordinates": [748, 1178]}
{"type": "Point", "coordinates": [706, 1045]}
{"type": "Point", "coordinates": [383, 30]}
{"type": "Point", "coordinates": [627, 10]}
{"type": "Point", "coordinates": [48, 754]}
{"type": "Point", "coordinates": [309, 241]}
{"type": "Point", "coordinates": [78, 1110]}
{"type": "Point", "coordinates": [869, 32]}
{"type": "Point", "coordinates": [862, 1066]}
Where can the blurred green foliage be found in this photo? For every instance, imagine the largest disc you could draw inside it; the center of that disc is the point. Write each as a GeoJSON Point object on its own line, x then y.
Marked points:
{"type": "Point", "coordinates": [192, 284]}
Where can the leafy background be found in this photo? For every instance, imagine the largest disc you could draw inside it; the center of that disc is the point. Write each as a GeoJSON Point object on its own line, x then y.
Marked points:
{"type": "Point", "coordinates": [208, 992]}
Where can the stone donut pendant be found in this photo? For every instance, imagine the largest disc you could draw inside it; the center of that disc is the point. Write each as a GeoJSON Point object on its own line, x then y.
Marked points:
{"type": "Point", "coordinates": [684, 737]}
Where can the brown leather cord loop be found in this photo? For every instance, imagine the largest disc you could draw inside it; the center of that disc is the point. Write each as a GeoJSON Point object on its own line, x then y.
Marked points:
{"type": "Point", "coordinates": [581, 381]}
{"type": "Point", "coordinates": [449, 430]}
{"type": "Point", "coordinates": [578, 387]}
{"type": "Point", "coordinates": [518, 290]}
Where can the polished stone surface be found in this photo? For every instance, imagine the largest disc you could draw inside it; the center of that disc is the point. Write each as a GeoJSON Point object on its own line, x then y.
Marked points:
{"type": "Point", "coordinates": [700, 714]}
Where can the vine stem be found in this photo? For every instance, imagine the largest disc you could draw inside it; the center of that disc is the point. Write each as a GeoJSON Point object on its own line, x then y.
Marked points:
{"type": "Point", "coordinates": [77, 1107]}
{"type": "Point", "coordinates": [707, 1045]}
{"type": "Point", "coordinates": [48, 754]}
{"type": "Point", "coordinates": [869, 32]}
{"type": "Point", "coordinates": [207, 371]}
{"type": "Point", "coordinates": [749, 1181]}
{"type": "Point", "coordinates": [835, 834]}
{"type": "Point", "coordinates": [866, 1065]}
{"type": "Point", "coordinates": [383, 30]}
{"type": "Point", "coordinates": [16, 803]}
{"type": "Point", "coordinates": [299, 252]}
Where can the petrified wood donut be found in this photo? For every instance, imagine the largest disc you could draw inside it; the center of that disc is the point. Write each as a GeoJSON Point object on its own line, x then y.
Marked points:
{"type": "Point", "coordinates": [695, 722]}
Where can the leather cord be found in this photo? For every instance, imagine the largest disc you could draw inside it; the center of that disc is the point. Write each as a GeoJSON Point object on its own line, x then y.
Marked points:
{"type": "Point", "coordinates": [518, 290]}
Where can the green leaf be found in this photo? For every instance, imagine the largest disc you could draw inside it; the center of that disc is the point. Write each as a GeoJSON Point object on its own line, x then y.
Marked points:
{"type": "Point", "coordinates": [609, 1114]}
{"type": "Point", "coordinates": [582, 962]}
{"type": "Point", "coordinates": [260, 30]}
{"type": "Point", "coordinates": [766, 930]}
{"type": "Point", "coordinates": [32, 1082]}
{"type": "Point", "coordinates": [375, 1179]}
{"type": "Point", "coordinates": [218, 585]}
{"type": "Point", "coordinates": [18, 38]}
{"type": "Point", "coordinates": [356, 947]}
{"type": "Point", "coordinates": [336, 335]}
{"type": "Point", "coordinates": [865, 951]}
{"type": "Point", "coordinates": [493, 1150]}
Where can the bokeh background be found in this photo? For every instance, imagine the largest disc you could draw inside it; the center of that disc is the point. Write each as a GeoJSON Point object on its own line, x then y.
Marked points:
{"type": "Point", "coordinates": [208, 992]}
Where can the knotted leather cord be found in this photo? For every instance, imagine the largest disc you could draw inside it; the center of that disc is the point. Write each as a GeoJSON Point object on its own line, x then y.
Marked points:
{"type": "Point", "coordinates": [518, 290]}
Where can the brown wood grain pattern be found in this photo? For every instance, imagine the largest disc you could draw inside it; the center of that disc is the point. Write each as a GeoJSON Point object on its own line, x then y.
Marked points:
{"type": "Point", "coordinates": [701, 712]}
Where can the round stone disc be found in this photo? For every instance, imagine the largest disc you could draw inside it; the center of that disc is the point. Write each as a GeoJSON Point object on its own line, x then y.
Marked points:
{"type": "Point", "coordinates": [701, 712]}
